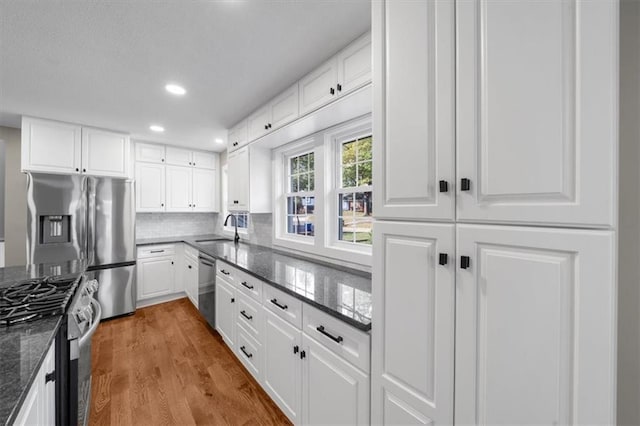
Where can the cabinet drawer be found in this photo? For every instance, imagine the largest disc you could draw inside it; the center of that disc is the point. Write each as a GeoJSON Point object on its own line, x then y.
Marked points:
{"type": "Point", "coordinates": [249, 351]}
{"type": "Point", "coordinates": [156, 250]}
{"type": "Point", "coordinates": [340, 338]}
{"type": "Point", "coordinates": [285, 306]}
{"type": "Point", "coordinates": [227, 272]}
{"type": "Point", "coordinates": [250, 286]}
{"type": "Point", "coordinates": [190, 251]}
{"type": "Point", "coordinates": [250, 316]}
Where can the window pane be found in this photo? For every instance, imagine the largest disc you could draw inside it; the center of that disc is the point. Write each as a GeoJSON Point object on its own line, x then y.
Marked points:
{"type": "Point", "coordinates": [294, 165]}
{"type": "Point", "coordinates": [345, 204]}
{"type": "Point", "coordinates": [349, 176]}
{"type": "Point", "coordinates": [310, 204]}
{"type": "Point", "coordinates": [364, 149]}
{"type": "Point", "coordinates": [354, 217]}
{"type": "Point", "coordinates": [300, 218]}
{"type": "Point", "coordinates": [302, 163]}
{"type": "Point", "coordinates": [364, 174]}
{"type": "Point", "coordinates": [349, 152]}
{"type": "Point", "coordinates": [312, 182]}
{"type": "Point", "coordinates": [304, 182]}
{"type": "Point", "coordinates": [293, 205]}
{"type": "Point", "coordinates": [311, 161]}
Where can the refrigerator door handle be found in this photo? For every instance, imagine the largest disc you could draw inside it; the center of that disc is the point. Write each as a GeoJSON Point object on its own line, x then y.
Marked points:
{"type": "Point", "coordinates": [91, 221]}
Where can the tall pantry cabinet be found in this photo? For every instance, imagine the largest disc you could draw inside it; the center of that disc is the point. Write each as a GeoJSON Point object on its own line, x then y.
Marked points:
{"type": "Point", "coordinates": [495, 143]}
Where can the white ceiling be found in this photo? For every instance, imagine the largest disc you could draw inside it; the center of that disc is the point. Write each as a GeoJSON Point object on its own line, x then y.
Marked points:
{"type": "Point", "coordinates": [105, 63]}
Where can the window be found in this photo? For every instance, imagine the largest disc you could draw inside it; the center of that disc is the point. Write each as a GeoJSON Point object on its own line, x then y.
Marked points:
{"type": "Point", "coordinates": [300, 198]}
{"type": "Point", "coordinates": [355, 191]}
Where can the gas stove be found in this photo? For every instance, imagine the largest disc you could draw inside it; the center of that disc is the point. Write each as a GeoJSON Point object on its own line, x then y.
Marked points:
{"type": "Point", "coordinates": [37, 298]}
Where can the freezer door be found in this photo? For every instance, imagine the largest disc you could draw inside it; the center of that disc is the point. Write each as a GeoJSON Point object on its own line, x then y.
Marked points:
{"type": "Point", "coordinates": [116, 290]}
{"type": "Point", "coordinates": [111, 221]}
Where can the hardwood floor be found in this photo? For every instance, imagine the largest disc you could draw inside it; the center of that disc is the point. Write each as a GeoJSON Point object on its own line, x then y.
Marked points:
{"type": "Point", "coordinates": [166, 366]}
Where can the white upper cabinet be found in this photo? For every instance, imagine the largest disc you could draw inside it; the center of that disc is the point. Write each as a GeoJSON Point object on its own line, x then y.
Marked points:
{"type": "Point", "coordinates": [205, 160]}
{"type": "Point", "coordinates": [237, 137]}
{"type": "Point", "coordinates": [414, 130]}
{"type": "Point", "coordinates": [354, 65]}
{"type": "Point", "coordinates": [536, 111]}
{"type": "Point", "coordinates": [319, 87]}
{"type": "Point", "coordinates": [258, 123]}
{"type": "Point", "coordinates": [150, 187]}
{"type": "Point", "coordinates": [105, 153]}
{"type": "Point", "coordinates": [535, 326]}
{"type": "Point", "coordinates": [179, 186]}
{"type": "Point", "coordinates": [284, 108]}
{"type": "Point", "coordinates": [248, 189]}
{"type": "Point", "coordinates": [414, 308]}
{"type": "Point", "coordinates": [150, 152]}
{"type": "Point", "coordinates": [179, 156]}
{"type": "Point", "coordinates": [50, 146]}
{"type": "Point", "coordinates": [238, 180]}
{"type": "Point", "coordinates": [204, 189]}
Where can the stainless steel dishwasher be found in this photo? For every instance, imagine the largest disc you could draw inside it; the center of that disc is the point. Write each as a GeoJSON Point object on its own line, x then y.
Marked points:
{"type": "Point", "coordinates": [207, 288]}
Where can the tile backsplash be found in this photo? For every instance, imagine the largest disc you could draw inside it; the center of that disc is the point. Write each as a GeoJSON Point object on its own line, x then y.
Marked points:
{"type": "Point", "coordinates": [150, 225]}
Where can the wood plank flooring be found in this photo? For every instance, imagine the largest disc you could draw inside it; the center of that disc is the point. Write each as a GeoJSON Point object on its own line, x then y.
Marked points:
{"type": "Point", "coordinates": [166, 366]}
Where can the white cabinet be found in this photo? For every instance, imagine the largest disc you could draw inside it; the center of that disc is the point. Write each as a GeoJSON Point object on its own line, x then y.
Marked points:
{"type": "Point", "coordinates": [105, 153]}
{"type": "Point", "coordinates": [150, 187]}
{"type": "Point", "coordinates": [319, 87]}
{"type": "Point", "coordinates": [155, 273]}
{"type": "Point", "coordinates": [179, 156]}
{"type": "Point", "coordinates": [283, 370]}
{"type": "Point", "coordinates": [55, 147]}
{"type": "Point", "coordinates": [237, 137]}
{"type": "Point", "coordinates": [284, 108]}
{"type": "Point", "coordinates": [354, 65]}
{"type": "Point", "coordinates": [225, 311]}
{"type": "Point", "coordinates": [248, 190]}
{"type": "Point", "coordinates": [150, 152]}
{"type": "Point", "coordinates": [203, 187]}
{"type": "Point", "coordinates": [190, 276]}
{"type": "Point", "coordinates": [414, 289]}
{"type": "Point", "coordinates": [414, 133]}
{"type": "Point", "coordinates": [39, 406]}
{"type": "Point", "coordinates": [535, 326]}
{"type": "Point", "coordinates": [333, 391]}
{"type": "Point", "coordinates": [204, 160]}
{"type": "Point", "coordinates": [178, 188]}
{"type": "Point", "coordinates": [51, 146]}
{"type": "Point", "coordinates": [536, 112]}
{"type": "Point", "coordinates": [258, 123]}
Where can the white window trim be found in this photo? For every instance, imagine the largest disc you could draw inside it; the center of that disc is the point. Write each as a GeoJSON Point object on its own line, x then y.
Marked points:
{"type": "Point", "coordinates": [324, 243]}
{"type": "Point", "coordinates": [229, 230]}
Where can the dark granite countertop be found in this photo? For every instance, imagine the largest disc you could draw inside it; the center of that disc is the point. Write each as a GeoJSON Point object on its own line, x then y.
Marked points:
{"type": "Point", "coordinates": [342, 292]}
{"type": "Point", "coordinates": [23, 347]}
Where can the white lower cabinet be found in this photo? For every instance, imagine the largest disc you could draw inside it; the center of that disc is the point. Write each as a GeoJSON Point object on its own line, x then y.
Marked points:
{"type": "Point", "coordinates": [190, 277]}
{"type": "Point", "coordinates": [39, 407]}
{"type": "Point", "coordinates": [333, 390]}
{"type": "Point", "coordinates": [413, 333]}
{"type": "Point", "coordinates": [535, 326]}
{"type": "Point", "coordinates": [283, 370]}
{"type": "Point", "coordinates": [156, 271]}
{"type": "Point", "coordinates": [225, 311]}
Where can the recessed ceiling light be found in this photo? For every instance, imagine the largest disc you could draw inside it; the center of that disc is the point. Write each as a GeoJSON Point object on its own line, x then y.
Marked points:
{"type": "Point", "coordinates": [175, 89]}
{"type": "Point", "coordinates": [156, 128]}
{"type": "Point", "coordinates": [218, 140]}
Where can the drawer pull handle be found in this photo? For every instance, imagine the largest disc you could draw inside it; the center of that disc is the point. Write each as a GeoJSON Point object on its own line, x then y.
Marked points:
{"type": "Point", "coordinates": [321, 330]}
{"type": "Point", "coordinates": [247, 354]}
{"type": "Point", "coordinates": [244, 314]}
{"type": "Point", "coordinates": [156, 251]}
{"type": "Point", "coordinates": [244, 283]}
{"type": "Point", "coordinates": [465, 262]}
{"type": "Point", "coordinates": [224, 272]}
{"type": "Point", "coordinates": [275, 302]}
{"type": "Point", "coordinates": [296, 349]}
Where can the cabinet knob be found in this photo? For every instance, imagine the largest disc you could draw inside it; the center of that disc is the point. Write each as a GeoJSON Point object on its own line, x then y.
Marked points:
{"type": "Point", "coordinates": [303, 355]}
{"type": "Point", "coordinates": [266, 126]}
{"type": "Point", "coordinates": [162, 205]}
{"type": "Point", "coordinates": [465, 261]}
{"type": "Point", "coordinates": [339, 87]}
{"type": "Point", "coordinates": [77, 169]}
{"type": "Point", "coordinates": [444, 186]}
{"type": "Point", "coordinates": [443, 258]}
{"type": "Point", "coordinates": [296, 348]}
{"type": "Point", "coordinates": [233, 299]}
{"type": "Point", "coordinates": [172, 263]}
{"type": "Point", "coordinates": [332, 91]}
{"type": "Point", "coordinates": [189, 266]}
{"type": "Point", "coordinates": [465, 184]}
{"type": "Point", "coordinates": [84, 170]}
{"type": "Point", "coordinates": [269, 125]}
{"type": "Point", "coordinates": [194, 164]}
{"type": "Point", "coordinates": [162, 160]}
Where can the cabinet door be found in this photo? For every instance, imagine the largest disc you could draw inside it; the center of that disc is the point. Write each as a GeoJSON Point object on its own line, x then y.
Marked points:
{"type": "Point", "coordinates": [49, 388]}
{"type": "Point", "coordinates": [179, 156]}
{"type": "Point", "coordinates": [205, 160]}
{"type": "Point", "coordinates": [537, 111]}
{"type": "Point", "coordinates": [150, 153]}
{"type": "Point", "coordinates": [204, 190]}
{"type": "Point", "coordinates": [258, 123]}
{"type": "Point", "coordinates": [354, 65]}
{"type": "Point", "coordinates": [50, 146]}
{"type": "Point", "coordinates": [105, 153]}
{"type": "Point", "coordinates": [150, 187]}
{"type": "Point", "coordinates": [282, 371]}
{"type": "Point", "coordinates": [333, 391]}
{"type": "Point", "coordinates": [319, 87]}
{"type": "Point", "coordinates": [413, 127]}
{"type": "Point", "coordinates": [191, 279]}
{"type": "Point", "coordinates": [155, 277]}
{"type": "Point", "coordinates": [238, 182]}
{"type": "Point", "coordinates": [31, 411]}
{"type": "Point", "coordinates": [535, 326]}
{"type": "Point", "coordinates": [412, 371]}
{"type": "Point", "coordinates": [179, 186]}
{"type": "Point", "coordinates": [225, 311]}
{"type": "Point", "coordinates": [237, 137]}
{"type": "Point", "coordinates": [284, 108]}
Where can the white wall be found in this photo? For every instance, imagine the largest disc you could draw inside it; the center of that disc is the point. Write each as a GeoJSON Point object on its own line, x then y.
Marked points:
{"type": "Point", "coordinates": [629, 225]}
{"type": "Point", "coordinates": [15, 213]}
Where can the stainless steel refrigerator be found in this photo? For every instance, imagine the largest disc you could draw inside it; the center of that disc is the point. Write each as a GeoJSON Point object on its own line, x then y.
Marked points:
{"type": "Point", "coordinates": [89, 218]}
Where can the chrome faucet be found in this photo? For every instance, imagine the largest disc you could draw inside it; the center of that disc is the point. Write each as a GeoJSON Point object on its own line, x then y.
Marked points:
{"type": "Point", "coordinates": [236, 238]}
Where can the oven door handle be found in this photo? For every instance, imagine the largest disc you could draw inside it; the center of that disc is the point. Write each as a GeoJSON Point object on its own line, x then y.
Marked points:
{"type": "Point", "coordinates": [86, 337]}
